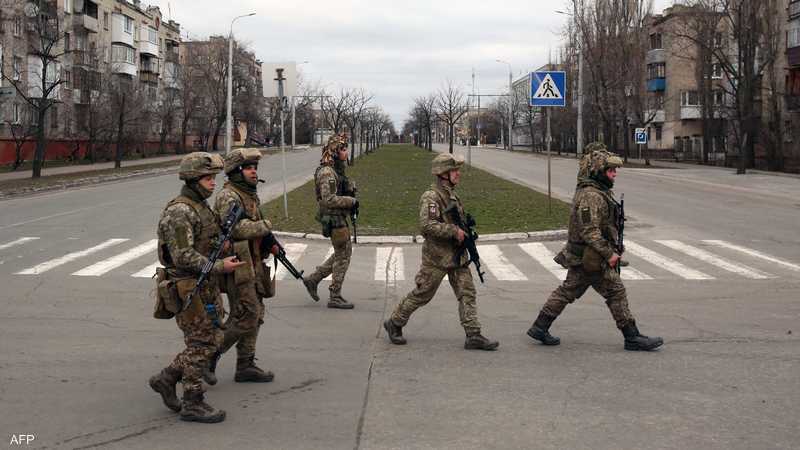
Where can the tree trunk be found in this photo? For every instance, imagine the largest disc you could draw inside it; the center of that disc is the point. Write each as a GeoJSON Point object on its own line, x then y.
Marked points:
{"type": "Point", "coordinates": [120, 130]}
{"type": "Point", "coordinates": [451, 134]}
{"type": "Point", "coordinates": [41, 143]}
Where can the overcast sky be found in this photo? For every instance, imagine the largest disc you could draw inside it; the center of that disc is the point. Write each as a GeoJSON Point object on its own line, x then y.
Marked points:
{"type": "Point", "coordinates": [395, 49]}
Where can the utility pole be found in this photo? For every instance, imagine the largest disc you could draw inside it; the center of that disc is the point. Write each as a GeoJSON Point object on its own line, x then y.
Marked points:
{"type": "Point", "coordinates": [510, 111]}
{"type": "Point", "coordinates": [469, 124]}
{"type": "Point", "coordinates": [229, 119]}
{"type": "Point", "coordinates": [281, 99]}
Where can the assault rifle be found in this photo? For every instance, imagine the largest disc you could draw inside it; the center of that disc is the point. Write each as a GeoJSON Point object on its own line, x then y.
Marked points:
{"type": "Point", "coordinates": [470, 236]}
{"type": "Point", "coordinates": [233, 216]}
{"type": "Point", "coordinates": [620, 228]}
{"type": "Point", "coordinates": [354, 219]}
{"type": "Point", "coordinates": [266, 249]}
{"type": "Point", "coordinates": [349, 189]}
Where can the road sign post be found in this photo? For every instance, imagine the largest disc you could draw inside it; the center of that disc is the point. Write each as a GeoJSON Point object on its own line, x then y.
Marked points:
{"type": "Point", "coordinates": [548, 89]}
{"type": "Point", "coordinates": [641, 139]}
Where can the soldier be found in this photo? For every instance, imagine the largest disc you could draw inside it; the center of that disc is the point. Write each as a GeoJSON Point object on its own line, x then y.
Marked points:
{"type": "Point", "coordinates": [247, 286]}
{"type": "Point", "coordinates": [186, 233]}
{"type": "Point", "coordinates": [590, 254]}
{"type": "Point", "coordinates": [442, 241]}
{"type": "Point", "coordinates": [336, 198]}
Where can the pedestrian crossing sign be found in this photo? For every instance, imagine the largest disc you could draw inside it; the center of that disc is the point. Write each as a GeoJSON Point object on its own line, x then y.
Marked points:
{"type": "Point", "coordinates": [548, 88]}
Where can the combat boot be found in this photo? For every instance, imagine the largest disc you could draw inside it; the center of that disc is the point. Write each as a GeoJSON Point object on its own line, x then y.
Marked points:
{"type": "Point", "coordinates": [540, 330]}
{"type": "Point", "coordinates": [195, 409]}
{"type": "Point", "coordinates": [164, 383]}
{"type": "Point", "coordinates": [337, 302]}
{"type": "Point", "coordinates": [635, 341]}
{"type": "Point", "coordinates": [311, 287]}
{"type": "Point", "coordinates": [478, 342]}
{"type": "Point", "coordinates": [395, 332]}
{"type": "Point", "coordinates": [248, 372]}
{"type": "Point", "coordinates": [210, 375]}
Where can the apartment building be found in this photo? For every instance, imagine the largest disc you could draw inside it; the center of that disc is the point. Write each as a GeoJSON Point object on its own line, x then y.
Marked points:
{"type": "Point", "coordinates": [95, 40]}
{"type": "Point", "coordinates": [673, 93]}
{"type": "Point", "coordinates": [791, 84]}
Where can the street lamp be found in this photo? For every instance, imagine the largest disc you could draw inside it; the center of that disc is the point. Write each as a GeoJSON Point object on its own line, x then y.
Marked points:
{"type": "Point", "coordinates": [229, 121]}
{"type": "Point", "coordinates": [579, 131]}
{"type": "Point", "coordinates": [510, 98]}
{"type": "Point", "coordinates": [294, 140]}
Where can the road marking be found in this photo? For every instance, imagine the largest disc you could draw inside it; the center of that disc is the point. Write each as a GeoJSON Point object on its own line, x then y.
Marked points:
{"type": "Point", "coordinates": [716, 260]}
{"type": "Point", "coordinates": [544, 256]}
{"type": "Point", "coordinates": [328, 255]}
{"type": "Point", "coordinates": [629, 273]}
{"type": "Point", "coordinates": [293, 252]}
{"type": "Point", "coordinates": [101, 267]}
{"type": "Point", "coordinates": [499, 265]}
{"type": "Point", "coordinates": [148, 271]}
{"type": "Point", "coordinates": [754, 253]}
{"type": "Point", "coordinates": [664, 262]}
{"type": "Point", "coordinates": [53, 263]}
{"type": "Point", "coordinates": [391, 259]}
{"type": "Point", "coordinates": [17, 242]}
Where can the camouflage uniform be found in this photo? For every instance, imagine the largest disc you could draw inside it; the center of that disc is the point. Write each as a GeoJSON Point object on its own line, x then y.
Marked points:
{"type": "Point", "coordinates": [438, 257]}
{"type": "Point", "coordinates": [246, 287]}
{"type": "Point", "coordinates": [187, 230]}
{"type": "Point", "coordinates": [592, 240]}
{"type": "Point", "coordinates": [332, 189]}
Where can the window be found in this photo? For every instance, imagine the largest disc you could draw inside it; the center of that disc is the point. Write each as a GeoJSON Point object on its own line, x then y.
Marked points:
{"type": "Point", "coordinates": [690, 98]}
{"type": "Point", "coordinates": [657, 70]}
{"type": "Point", "coordinates": [128, 24]}
{"type": "Point", "coordinates": [17, 113]}
{"type": "Point", "coordinates": [66, 42]}
{"type": "Point", "coordinates": [122, 54]}
{"type": "Point", "coordinates": [67, 79]}
{"type": "Point", "coordinates": [655, 41]}
{"type": "Point", "coordinates": [658, 100]}
{"type": "Point", "coordinates": [17, 68]}
{"type": "Point", "coordinates": [152, 35]}
{"type": "Point", "coordinates": [105, 20]}
{"type": "Point", "coordinates": [719, 97]}
{"type": "Point", "coordinates": [80, 42]}
{"type": "Point", "coordinates": [17, 26]}
{"type": "Point", "coordinates": [716, 71]}
{"type": "Point", "coordinates": [719, 41]}
{"type": "Point", "coordinates": [658, 130]}
{"type": "Point", "coordinates": [793, 34]}
{"type": "Point", "coordinates": [54, 117]}
{"type": "Point", "coordinates": [67, 6]}
{"type": "Point", "coordinates": [90, 9]}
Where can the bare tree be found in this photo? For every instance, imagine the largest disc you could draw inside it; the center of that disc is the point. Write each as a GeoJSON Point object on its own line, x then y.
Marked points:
{"type": "Point", "coordinates": [335, 109]}
{"type": "Point", "coordinates": [450, 106]}
{"type": "Point", "coordinates": [355, 111]}
{"type": "Point", "coordinates": [426, 107]}
{"type": "Point", "coordinates": [39, 86]}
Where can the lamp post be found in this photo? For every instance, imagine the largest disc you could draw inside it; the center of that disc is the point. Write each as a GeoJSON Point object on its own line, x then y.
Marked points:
{"type": "Point", "coordinates": [294, 133]}
{"type": "Point", "coordinates": [510, 99]}
{"type": "Point", "coordinates": [579, 131]}
{"type": "Point", "coordinates": [229, 121]}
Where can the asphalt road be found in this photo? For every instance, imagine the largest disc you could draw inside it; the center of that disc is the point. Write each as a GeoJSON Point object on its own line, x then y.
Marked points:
{"type": "Point", "coordinates": [715, 273]}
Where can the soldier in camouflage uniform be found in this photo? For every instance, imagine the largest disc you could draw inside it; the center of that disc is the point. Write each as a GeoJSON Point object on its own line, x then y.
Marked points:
{"type": "Point", "coordinates": [590, 254]}
{"type": "Point", "coordinates": [187, 230]}
{"type": "Point", "coordinates": [336, 198]}
{"type": "Point", "coordinates": [247, 286]}
{"type": "Point", "coordinates": [442, 241]}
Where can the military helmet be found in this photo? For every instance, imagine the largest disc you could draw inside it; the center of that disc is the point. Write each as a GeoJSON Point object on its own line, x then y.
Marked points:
{"type": "Point", "coordinates": [597, 159]}
{"type": "Point", "coordinates": [445, 162]}
{"type": "Point", "coordinates": [235, 159]}
{"type": "Point", "coordinates": [198, 164]}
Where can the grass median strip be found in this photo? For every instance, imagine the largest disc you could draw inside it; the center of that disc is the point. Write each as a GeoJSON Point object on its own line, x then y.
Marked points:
{"type": "Point", "coordinates": [390, 182]}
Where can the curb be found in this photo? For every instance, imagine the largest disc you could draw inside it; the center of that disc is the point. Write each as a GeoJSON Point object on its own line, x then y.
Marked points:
{"type": "Point", "coordinates": [536, 236]}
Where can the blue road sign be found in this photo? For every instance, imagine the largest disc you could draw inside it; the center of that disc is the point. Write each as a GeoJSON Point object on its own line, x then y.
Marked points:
{"type": "Point", "coordinates": [548, 88]}
{"type": "Point", "coordinates": [641, 135]}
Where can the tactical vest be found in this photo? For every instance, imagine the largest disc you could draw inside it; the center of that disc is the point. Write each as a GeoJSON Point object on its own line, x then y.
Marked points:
{"type": "Point", "coordinates": [576, 243]}
{"type": "Point", "coordinates": [204, 235]}
{"type": "Point", "coordinates": [250, 204]}
{"type": "Point", "coordinates": [335, 217]}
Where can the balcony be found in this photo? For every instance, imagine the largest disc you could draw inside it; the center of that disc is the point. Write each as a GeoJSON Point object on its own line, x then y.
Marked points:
{"type": "Point", "coordinates": [657, 84]}
{"type": "Point", "coordinates": [84, 58]}
{"type": "Point", "coordinates": [147, 47]}
{"type": "Point", "coordinates": [793, 103]}
{"type": "Point", "coordinates": [118, 32]}
{"type": "Point", "coordinates": [148, 77]}
{"type": "Point", "coordinates": [794, 10]}
{"type": "Point", "coordinates": [123, 68]}
{"type": "Point", "coordinates": [655, 115]}
{"type": "Point", "coordinates": [658, 55]}
{"type": "Point", "coordinates": [690, 112]}
{"type": "Point", "coordinates": [87, 22]}
{"type": "Point", "coordinates": [171, 57]}
{"type": "Point", "coordinates": [151, 65]}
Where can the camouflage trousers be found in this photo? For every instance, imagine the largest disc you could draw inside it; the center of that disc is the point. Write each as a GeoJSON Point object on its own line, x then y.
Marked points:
{"type": "Point", "coordinates": [338, 263]}
{"type": "Point", "coordinates": [607, 283]}
{"type": "Point", "coordinates": [428, 280]}
{"type": "Point", "coordinates": [202, 339]}
{"type": "Point", "coordinates": [246, 316]}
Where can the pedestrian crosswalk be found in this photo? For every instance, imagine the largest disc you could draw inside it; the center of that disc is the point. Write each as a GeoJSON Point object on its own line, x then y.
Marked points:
{"type": "Point", "coordinates": [661, 259]}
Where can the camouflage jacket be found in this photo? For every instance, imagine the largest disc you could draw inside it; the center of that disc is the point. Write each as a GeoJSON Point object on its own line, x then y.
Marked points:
{"type": "Point", "coordinates": [186, 232]}
{"type": "Point", "coordinates": [593, 219]}
{"type": "Point", "coordinates": [438, 228]}
{"type": "Point", "coordinates": [333, 206]}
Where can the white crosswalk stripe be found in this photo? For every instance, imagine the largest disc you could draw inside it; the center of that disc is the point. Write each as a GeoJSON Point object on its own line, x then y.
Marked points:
{"type": "Point", "coordinates": [17, 242]}
{"type": "Point", "coordinates": [664, 262]}
{"type": "Point", "coordinates": [544, 256]}
{"type": "Point", "coordinates": [101, 267]}
{"type": "Point", "coordinates": [716, 260]}
{"type": "Point", "coordinates": [293, 252]}
{"type": "Point", "coordinates": [498, 264]}
{"type": "Point", "coordinates": [148, 271]}
{"type": "Point", "coordinates": [53, 263]}
{"type": "Point", "coordinates": [754, 253]}
{"type": "Point", "coordinates": [389, 261]}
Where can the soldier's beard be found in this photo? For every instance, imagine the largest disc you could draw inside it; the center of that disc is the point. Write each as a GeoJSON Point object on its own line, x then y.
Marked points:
{"type": "Point", "coordinates": [604, 180]}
